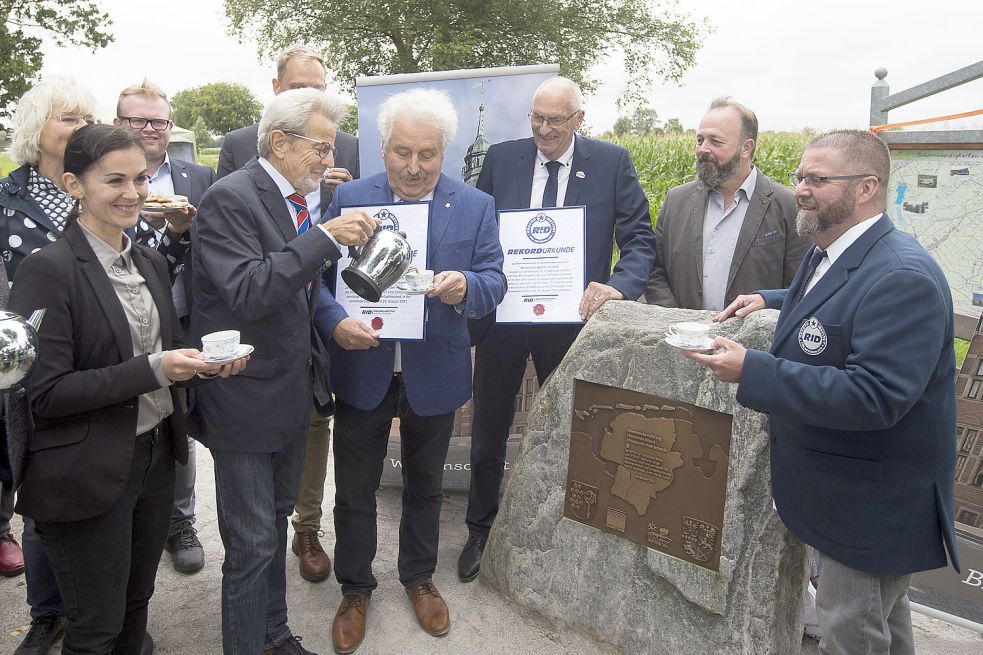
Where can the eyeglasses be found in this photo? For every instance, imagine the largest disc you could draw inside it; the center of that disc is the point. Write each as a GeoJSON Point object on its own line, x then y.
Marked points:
{"type": "Point", "coordinates": [323, 148]}
{"type": "Point", "coordinates": [68, 118]}
{"type": "Point", "coordinates": [137, 123]}
{"type": "Point", "coordinates": [817, 181]}
{"type": "Point", "coordinates": [554, 121]}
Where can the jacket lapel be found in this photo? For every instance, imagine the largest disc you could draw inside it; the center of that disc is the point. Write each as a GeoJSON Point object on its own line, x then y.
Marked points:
{"type": "Point", "coordinates": [579, 170]}
{"type": "Point", "coordinates": [180, 179]}
{"type": "Point", "coordinates": [757, 205]}
{"type": "Point", "coordinates": [831, 281]}
{"type": "Point", "coordinates": [103, 288]}
{"type": "Point", "coordinates": [694, 228]}
{"type": "Point", "coordinates": [524, 171]}
{"type": "Point", "coordinates": [441, 209]}
{"type": "Point", "coordinates": [270, 196]}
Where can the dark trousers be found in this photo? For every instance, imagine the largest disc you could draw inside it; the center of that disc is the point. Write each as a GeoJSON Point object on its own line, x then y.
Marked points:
{"type": "Point", "coordinates": [499, 364]}
{"type": "Point", "coordinates": [42, 587]}
{"type": "Point", "coordinates": [106, 565]}
{"type": "Point", "coordinates": [360, 444]}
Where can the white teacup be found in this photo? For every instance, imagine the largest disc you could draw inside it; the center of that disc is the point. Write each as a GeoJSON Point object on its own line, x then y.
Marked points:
{"type": "Point", "coordinates": [690, 334]}
{"type": "Point", "coordinates": [220, 344]}
{"type": "Point", "coordinates": [418, 280]}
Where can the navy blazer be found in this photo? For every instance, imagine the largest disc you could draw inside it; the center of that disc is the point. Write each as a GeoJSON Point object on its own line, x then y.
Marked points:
{"type": "Point", "coordinates": [251, 271]}
{"type": "Point", "coordinates": [603, 178]}
{"type": "Point", "coordinates": [463, 237]}
{"type": "Point", "coordinates": [860, 388]}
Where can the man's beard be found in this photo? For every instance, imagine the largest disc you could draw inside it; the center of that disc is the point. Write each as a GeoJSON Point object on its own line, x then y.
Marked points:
{"type": "Point", "coordinates": [307, 184]}
{"type": "Point", "coordinates": [823, 218]}
{"type": "Point", "coordinates": [712, 174]}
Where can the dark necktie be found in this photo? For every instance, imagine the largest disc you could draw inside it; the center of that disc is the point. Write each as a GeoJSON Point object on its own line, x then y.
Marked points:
{"type": "Point", "coordinates": [817, 256]}
{"type": "Point", "coordinates": [303, 216]}
{"type": "Point", "coordinates": [549, 193]}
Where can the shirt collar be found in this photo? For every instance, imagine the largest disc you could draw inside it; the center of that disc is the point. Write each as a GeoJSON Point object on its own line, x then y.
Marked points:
{"type": "Point", "coordinates": [564, 159]}
{"type": "Point", "coordinates": [285, 187]}
{"type": "Point", "coordinates": [163, 169]}
{"type": "Point", "coordinates": [747, 186]}
{"type": "Point", "coordinates": [846, 239]}
{"type": "Point", "coordinates": [426, 198]}
{"type": "Point", "coordinates": [105, 253]}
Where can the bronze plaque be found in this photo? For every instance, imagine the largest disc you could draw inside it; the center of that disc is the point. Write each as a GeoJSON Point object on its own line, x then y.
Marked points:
{"type": "Point", "coordinates": [649, 469]}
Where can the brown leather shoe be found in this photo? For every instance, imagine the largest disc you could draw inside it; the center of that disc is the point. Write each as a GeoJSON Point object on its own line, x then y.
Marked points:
{"type": "Point", "coordinates": [315, 565]}
{"type": "Point", "coordinates": [348, 628]}
{"type": "Point", "coordinates": [430, 608]}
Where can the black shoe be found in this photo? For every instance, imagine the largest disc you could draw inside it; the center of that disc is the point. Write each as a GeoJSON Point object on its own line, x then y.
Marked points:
{"type": "Point", "coordinates": [290, 646]}
{"type": "Point", "coordinates": [186, 550]}
{"type": "Point", "coordinates": [147, 647]}
{"type": "Point", "coordinates": [44, 632]}
{"type": "Point", "coordinates": [469, 563]}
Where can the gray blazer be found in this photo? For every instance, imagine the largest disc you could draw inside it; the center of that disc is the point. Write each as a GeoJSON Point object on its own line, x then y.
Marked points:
{"type": "Point", "coordinates": [239, 146]}
{"type": "Point", "coordinates": [767, 255]}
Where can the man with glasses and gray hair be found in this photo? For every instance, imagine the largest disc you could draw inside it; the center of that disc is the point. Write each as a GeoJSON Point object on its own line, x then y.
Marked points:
{"type": "Point", "coordinates": [730, 231]}
{"type": "Point", "coordinates": [145, 110]}
{"type": "Point", "coordinates": [257, 262]}
{"type": "Point", "coordinates": [859, 387]}
{"type": "Point", "coordinates": [554, 168]}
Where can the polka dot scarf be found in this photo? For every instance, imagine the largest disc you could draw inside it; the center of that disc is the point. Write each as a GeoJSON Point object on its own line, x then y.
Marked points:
{"type": "Point", "coordinates": [55, 203]}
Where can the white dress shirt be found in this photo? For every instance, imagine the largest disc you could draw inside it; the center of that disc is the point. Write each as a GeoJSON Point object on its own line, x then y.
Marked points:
{"type": "Point", "coordinates": [838, 247]}
{"type": "Point", "coordinates": [540, 174]}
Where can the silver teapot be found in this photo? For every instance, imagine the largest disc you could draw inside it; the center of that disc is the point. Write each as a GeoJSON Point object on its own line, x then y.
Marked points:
{"type": "Point", "coordinates": [18, 346]}
{"type": "Point", "coordinates": [381, 262]}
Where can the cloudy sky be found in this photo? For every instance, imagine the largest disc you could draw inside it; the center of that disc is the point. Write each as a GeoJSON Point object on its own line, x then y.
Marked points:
{"type": "Point", "coordinates": [797, 64]}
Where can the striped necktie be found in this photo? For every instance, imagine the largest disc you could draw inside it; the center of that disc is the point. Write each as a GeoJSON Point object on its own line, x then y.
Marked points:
{"type": "Point", "coordinates": [303, 216]}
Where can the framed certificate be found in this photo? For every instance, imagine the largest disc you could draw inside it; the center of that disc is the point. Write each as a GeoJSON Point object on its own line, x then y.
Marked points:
{"type": "Point", "coordinates": [398, 316]}
{"type": "Point", "coordinates": [545, 264]}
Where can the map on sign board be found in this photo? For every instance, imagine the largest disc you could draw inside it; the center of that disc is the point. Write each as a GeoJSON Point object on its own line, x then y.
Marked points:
{"type": "Point", "coordinates": [937, 197]}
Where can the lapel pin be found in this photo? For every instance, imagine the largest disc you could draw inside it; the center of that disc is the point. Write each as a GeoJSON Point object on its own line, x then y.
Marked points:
{"type": "Point", "coordinates": [184, 174]}
{"type": "Point", "coordinates": [580, 174]}
{"type": "Point", "coordinates": [447, 205]}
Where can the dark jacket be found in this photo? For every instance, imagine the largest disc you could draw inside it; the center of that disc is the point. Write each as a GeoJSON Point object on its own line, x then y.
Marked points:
{"type": "Point", "coordinates": [85, 382]}
{"type": "Point", "coordinates": [24, 227]}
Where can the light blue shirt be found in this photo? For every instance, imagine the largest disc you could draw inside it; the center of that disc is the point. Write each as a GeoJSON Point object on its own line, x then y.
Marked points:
{"type": "Point", "coordinates": [721, 229]}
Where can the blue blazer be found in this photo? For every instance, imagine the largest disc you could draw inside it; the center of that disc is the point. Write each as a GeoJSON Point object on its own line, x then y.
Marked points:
{"type": "Point", "coordinates": [863, 407]}
{"type": "Point", "coordinates": [436, 372]}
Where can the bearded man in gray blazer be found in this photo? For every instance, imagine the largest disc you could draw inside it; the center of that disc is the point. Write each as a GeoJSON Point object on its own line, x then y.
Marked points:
{"type": "Point", "coordinates": [730, 231]}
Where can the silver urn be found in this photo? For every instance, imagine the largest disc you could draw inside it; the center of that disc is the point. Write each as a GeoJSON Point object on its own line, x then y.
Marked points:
{"type": "Point", "coordinates": [381, 262]}
{"type": "Point", "coordinates": [18, 346]}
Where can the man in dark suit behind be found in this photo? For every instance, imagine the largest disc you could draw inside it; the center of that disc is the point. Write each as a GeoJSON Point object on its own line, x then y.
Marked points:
{"type": "Point", "coordinates": [257, 263]}
{"type": "Point", "coordinates": [144, 109]}
{"type": "Point", "coordinates": [730, 231]}
{"type": "Point", "coordinates": [580, 171]}
{"type": "Point", "coordinates": [859, 386]}
{"type": "Point", "coordinates": [302, 67]}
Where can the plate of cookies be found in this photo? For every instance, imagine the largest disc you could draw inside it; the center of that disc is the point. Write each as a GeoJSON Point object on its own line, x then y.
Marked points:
{"type": "Point", "coordinates": [163, 203]}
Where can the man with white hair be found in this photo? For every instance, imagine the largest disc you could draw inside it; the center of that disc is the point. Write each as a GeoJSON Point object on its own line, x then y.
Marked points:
{"type": "Point", "coordinates": [421, 383]}
{"type": "Point", "coordinates": [256, 269]}
{"type": "Point", "coordinates": [555, 167]}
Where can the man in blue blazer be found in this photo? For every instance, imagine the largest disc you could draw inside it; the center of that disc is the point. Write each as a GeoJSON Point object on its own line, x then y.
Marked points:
{"type": "Point", "coordinates": [555, 167]}
{"type": "Point", "coordinates": [420, 383]}
{"type": "Point", "coordinates": [860, 389]}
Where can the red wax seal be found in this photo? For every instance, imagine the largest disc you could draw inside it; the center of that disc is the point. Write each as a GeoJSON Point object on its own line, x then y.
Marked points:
{"type": "Point", "coordinates": [538, 309]}
{"type": "Point", "coordinates": [377, 323]}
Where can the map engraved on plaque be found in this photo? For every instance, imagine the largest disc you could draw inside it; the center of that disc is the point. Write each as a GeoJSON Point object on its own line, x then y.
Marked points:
{"type": "Point", "coordinates": [649, 469]}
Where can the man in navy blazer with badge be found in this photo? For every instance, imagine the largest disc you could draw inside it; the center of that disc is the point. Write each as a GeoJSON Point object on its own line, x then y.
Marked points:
{"type": "Point", "coordinates": [555, 167]}
{"type": "Point", "coordinates": [421, 383]}
{"type": "Point", "coordinates": [860, 389]}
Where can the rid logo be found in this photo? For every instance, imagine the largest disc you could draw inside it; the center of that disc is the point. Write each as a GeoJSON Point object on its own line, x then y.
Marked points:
{"type": "Point", "coordinates": [389, 220]}
{"type": "Point", "coordinates": [812, 337]}
{"type": "Point", "coordinates": [540, 228]}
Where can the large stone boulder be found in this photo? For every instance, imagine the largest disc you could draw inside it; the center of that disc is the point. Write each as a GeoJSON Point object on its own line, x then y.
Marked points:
{"type": "Point", "coordinates": [627, 595]}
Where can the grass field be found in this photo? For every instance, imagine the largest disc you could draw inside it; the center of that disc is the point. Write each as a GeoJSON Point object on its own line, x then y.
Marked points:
{"type": "Point", "coordinates": [208, 157]}
{"type": "Point", "coordinates": [6, 164]}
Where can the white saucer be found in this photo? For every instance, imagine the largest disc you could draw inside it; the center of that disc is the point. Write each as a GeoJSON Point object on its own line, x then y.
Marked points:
{"type": "Point", "coordinates": [243, 350]}
{"type": "Point", "coordinates": [707, 345]}
{"type": "Point", "coordinates": [410, 292]}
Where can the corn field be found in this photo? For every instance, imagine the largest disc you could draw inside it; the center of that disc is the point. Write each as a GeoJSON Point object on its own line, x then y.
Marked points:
{"type": "Point", "coordinates": [666, 161]}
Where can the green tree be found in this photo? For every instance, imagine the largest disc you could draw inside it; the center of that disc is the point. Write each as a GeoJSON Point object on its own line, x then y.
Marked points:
{"type": "Point", "coordinates": [375, 37]}
{"type": "Point", "coordinates": [202, 138]}
{"type": "Point", "coordinates": [622, 126]}
{"type": "Point", "coordinates": [221, 106]}
{"type": "Point", "coordinates": [673, 126]}
{"type": "Point", "coordinates": [645, 120]}
{"type": "Point", "coordinates": [26, 22]}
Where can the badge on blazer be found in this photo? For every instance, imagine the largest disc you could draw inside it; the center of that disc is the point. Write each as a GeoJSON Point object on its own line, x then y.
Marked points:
{"type": "Point", "coordinates": [812, 337]}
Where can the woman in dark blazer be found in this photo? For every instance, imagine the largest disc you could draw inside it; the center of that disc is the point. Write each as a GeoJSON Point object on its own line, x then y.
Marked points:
{"type": "Point", "coordinates": [108, 422]}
